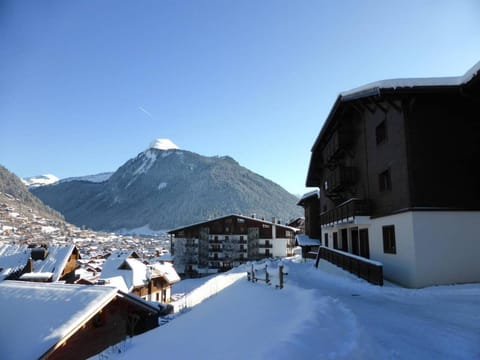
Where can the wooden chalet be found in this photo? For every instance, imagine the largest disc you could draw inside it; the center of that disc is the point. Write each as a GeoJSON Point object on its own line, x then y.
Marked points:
{"type": "Point", "coordinates": [311, 205]}
{"type": "Point", "coordinates": [225, 242]}
{"type": "Point", "coordinates": [127, 272]}
{"type": "Point", "coordinates": [65, 321]}
{"type": "Point", "coordinates": [395, 163]}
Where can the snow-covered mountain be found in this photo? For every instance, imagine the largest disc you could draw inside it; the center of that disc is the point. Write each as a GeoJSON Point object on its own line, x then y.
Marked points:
{"type": "Point", "coordinates": [40, 180]}
{"type": "Point", "coordinates": [14, 193]}
{"type": "Point", "coordinates": [96, 178]}
{"type": "Point", "coordinates": [164, 187]}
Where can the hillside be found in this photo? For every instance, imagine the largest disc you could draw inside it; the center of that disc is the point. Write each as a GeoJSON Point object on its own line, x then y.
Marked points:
{"type": "Point", "coordinates": [163, 188]}
{"type": "Point", "coordinates": [14, 193]}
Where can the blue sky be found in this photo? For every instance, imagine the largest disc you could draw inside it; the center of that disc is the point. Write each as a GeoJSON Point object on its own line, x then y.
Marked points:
{"type": "Point", "coordinates": [87, 85]}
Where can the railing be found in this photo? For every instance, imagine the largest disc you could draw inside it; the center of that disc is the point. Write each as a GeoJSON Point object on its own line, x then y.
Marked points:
{"type": "Point", "coordinates": [215, 241]}
{"type": "Point", "coordinates": [365, 269]}
{"type": "Point", "coordinates": [269, 246]}
{"type": "Point", "coordinates": [352, 207]}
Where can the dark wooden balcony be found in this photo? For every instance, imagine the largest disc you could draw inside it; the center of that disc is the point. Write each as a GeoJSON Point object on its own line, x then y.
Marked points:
{"type": "Point", "coordinates": [348, 209]}
{"type": "Point", "coordinates": [339, 142]}
{"type": "Point", "coordinates": [339, 178]}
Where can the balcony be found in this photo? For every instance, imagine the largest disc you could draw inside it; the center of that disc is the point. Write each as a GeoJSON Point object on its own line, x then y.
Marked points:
{"type": "Point", "coordinates": [265, 246]}
{"type": "Point", "coordinates": [339, 178]}
{"type": "Point", "coordinates": [346, 210]}
{"type": "Point", "coordinates": [340, 141]}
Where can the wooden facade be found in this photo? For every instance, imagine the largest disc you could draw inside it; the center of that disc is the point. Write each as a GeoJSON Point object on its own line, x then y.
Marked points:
{"type": "Point", "coordinates": [311, 205]}
{"type": "Point", "coordinates": [121, 318]}
{"type": "Point", "coordinates": [388, 150]}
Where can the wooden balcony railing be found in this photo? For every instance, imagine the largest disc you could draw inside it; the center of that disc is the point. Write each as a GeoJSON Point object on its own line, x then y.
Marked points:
{"type": "Point", "coordinates": [372, 271]}
{"type": "Point", "coordinates": [352, 207]}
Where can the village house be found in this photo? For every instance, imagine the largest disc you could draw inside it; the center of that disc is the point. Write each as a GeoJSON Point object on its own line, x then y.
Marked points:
{"type": "Point", "coordinates": [311, 205]}
{"type": "Point", "coordinates": [38, 263]}
{"type": "Point", "coordinates": [125, 270]}
{"type": "Point", "coordinates": [395, 164]}
{"type": "Point", "coordinates": [225, 242]}
{"type": "Point", "coordinates": [65, 321]}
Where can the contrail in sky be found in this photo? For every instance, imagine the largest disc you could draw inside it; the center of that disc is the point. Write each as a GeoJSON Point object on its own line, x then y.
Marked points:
{"type": "Point", "coordinates": [145, 111]}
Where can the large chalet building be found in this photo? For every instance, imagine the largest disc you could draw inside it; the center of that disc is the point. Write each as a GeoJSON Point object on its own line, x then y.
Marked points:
{"type": "Point", "coordinates": [396, 163]}
{"type": "Point", "coordinates": [225, 242]}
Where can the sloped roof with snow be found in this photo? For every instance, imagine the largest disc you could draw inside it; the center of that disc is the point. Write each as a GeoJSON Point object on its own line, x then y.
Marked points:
{"type": "Point", "coordinates": [167, 271]}
{"type": "Point", "coordinates": [43, 314]}
{"type": "Point", "coordinates": [12, 258]}
{"type": "Point", "coordinates": [311, 194]}
{"type": "Point", "coordinates": [55, 261]}
{"type": "Point", "coordinates": [232, 215]}
{"type": "Point", "coordinates": [121, 263]}
{"type": "Point", "coordinates": [305, 240]}
{"type": "Point", "coordinates": [15, 257]}
{"type": "Point", "coordinates": [412, 83]}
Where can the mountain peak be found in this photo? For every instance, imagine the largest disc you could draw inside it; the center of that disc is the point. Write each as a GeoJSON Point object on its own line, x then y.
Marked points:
{"type": "Point", "coordinates": [40, 180]}
{"type": "Point", "coordinates": [163, 144]}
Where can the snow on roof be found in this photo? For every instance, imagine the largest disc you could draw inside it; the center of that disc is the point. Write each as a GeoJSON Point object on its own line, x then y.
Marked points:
{"type": "Point", "coordinates": [12, 258]}
{"type": "Point", "coordinates": [305, 240]}
{"type": "Point", "coordinates": [167, 271]}
{"type": "Point", "coordinates": [120, 263]}
{"type": "Point", "coordinates": [138, 273]}
{"type": "Point", "coordinates": [15, 257]}
{"type": "Point", "coordinates": [309, 194]}
{"type": "Point", "coordinates": [37, 276]}
{"type": "Point", "coordinates": [235, 215]}
{"type": "Point", "coordinates": [117, 282]}
{"type": "Point", "coordinates": [367, 89]}
{"type": "Point", "coordinates": [163, 144]}
{"type": "Point", "coordinates": [55, 261]}
{"type": "Point", "coordinates": [41, 314]}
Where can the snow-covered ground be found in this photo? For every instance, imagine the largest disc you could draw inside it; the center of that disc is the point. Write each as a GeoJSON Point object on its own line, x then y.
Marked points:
{"type": "Point", "coordinates": [322, 313]}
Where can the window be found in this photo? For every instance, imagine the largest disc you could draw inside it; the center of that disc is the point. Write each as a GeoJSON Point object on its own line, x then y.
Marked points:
{"type": "Point", "coordinates": [335, 240]}
{"type": "Point", "coordinates": [381, 133]}
{"type": "Point", "coordinates": [326, 239]}
{"type": "Point", "coordinates": [240, 221]}
{"type": "Point", "coordinates": [389, 239]}
{"type": "Point", "coordinates": [384, 181]}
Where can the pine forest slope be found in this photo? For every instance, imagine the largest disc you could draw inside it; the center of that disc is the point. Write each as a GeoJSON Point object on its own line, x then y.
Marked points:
{"type": "Point", "coordinates": [163, 189]}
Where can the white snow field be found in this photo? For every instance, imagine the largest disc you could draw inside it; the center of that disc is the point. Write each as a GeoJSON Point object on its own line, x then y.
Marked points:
{"type": "Point", "coordinates": [322, 313]}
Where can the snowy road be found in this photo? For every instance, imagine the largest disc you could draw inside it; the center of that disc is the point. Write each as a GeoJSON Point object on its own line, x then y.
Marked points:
{"type": "Point", "coordinates": [321, 313]}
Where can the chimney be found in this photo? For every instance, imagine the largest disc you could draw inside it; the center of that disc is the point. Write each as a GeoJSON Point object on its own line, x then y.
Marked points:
{"type": "Point", "coordinates": [254, 216]}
